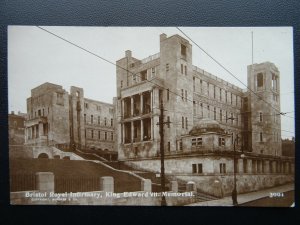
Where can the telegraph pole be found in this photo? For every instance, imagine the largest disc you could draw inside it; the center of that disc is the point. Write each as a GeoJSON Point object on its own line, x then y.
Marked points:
{"type": "Point", "coordinates": [162, 154]}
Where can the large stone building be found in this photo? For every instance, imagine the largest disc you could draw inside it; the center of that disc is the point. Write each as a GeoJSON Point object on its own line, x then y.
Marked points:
{"type": "Point", "coordinates": [207, 115]}
{"type": "Point", "coordinates": [58, 117]}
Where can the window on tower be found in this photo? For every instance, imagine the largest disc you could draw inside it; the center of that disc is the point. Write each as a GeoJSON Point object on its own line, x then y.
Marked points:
{"type": "Point", "coordinates": [260, 80]}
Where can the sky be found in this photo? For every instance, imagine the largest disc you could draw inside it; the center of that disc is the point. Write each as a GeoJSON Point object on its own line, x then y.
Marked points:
{"type": "Point", "coordinates": [36, 57]}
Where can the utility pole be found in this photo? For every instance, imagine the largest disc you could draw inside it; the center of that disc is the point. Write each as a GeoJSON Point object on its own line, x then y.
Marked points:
{"type": "Point", "coordinates": [162, 154]}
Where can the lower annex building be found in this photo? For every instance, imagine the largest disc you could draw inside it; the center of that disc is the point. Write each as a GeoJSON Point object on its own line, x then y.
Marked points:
{"type": "Point", "coordinates": [55, 116]}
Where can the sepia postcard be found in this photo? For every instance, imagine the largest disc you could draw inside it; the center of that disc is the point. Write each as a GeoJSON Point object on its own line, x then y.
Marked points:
{"type": "Point", "coordinates": [151, 116]}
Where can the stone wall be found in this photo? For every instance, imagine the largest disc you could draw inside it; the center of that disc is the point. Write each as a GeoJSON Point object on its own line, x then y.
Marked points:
{"type": "Point", "coordinates": [221, 186]}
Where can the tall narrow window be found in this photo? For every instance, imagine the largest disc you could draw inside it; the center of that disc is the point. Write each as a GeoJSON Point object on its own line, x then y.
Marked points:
{"type": "Point", "coordinates": [111, 122]}
{"type": "Point", "coordinates": [215, 114]}
{"type": "Point", "coordinates": [92, 119]}
{"type": "Point", "coordinates": [169, 146]}
{"type": "Point", "coordinates": [221, 115]}
{"type": "Point", "coordinates": [167, 67]}
{"type": "Point", "coordinates": [182, 122]}
{"type": "Point", "coordinates": [112, 136]}
{"type": "Point", "coordinates": [220, 94]}
{"type": "Point", "coordinates": [181, 68]}
{"type": "Point", "coordinates": [168, 122]}
{"type": "Point", "coordinates": [226, 96]}
{"type": "Point", "coordinates": [214, 91]}
{"type": "Point", "coordinates": [231, 118]}
{"type": "Point", "coordinates": [207, 89]}
{"type": "Point", "coordinates": [121, 84]}
{"type": "Point", "coordinates": [168, 94]}
{"type": "Point", "coordinates": [186, 123]}
{"type": "Point", "coordinates": [231, 98]}
{"type": "Point", "coordinates": [200, 86]}
{"type": "Point", "coordinates": [84, 118]}
{"type": "Point", "coordinates": [105, 135]}
{"type": "Point", "coordinates": [260, 117]}
{"type": "Point", "coordinates": [185, 70]}
{"type": "Point", "coordinates": [208, 111]}
{"type": "Point", "coordinates": [194, 84]}
{"type": "Point", "coordinates": [260, 80]}
{"type": "Point", "coordinates": [185, 95]}
{"type": "Point", "coordinates": [194, 107]}
{"type": "Point", "coordinates": [92, 134]}
{"type": "Point", "coordinates": [182, 95]}
{"type": "Point", "coordinates": [98, 119]}
{"type": "Point", "coordinates": [104, 121]}
{"type": "Point", "coordinates": [183, 50]}
{"type": "Point", "coordinates": [201, 106]}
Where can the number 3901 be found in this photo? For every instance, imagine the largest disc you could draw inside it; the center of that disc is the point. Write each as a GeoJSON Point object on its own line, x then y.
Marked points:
{"type": "Point", "coordinates": [276, 195]}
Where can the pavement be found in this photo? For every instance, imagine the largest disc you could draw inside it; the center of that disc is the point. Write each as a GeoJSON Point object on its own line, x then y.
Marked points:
{"type": "Point", "coordinates": [247, 197]}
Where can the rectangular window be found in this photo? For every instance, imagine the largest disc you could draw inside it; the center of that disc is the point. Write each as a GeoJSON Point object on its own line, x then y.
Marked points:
{"type": "Point", "coordinates": [214, 92]}
{"type": "Point", "coordinates": [180, 145]}
{"type": "Point", "coordinates": [221, 141]}
{"type": "Point", "coordinates": [182, 94]}
{"type": "Point", "coordinates": [153, 71]}
{"type": "Point", "coordinates": [208, 111]}
{"type": "Point", "coordinates": [199, 141]}
{"type": "Point", "coordinates": [220, 94]}
{"type": "Point", "coordinates": [104, 121]}
{"type": "Point", "coordinates": [200, 168]}
{"type": "Point", "coordinates": [111, 122]}
{"type": "Point", "coordinates": [168, 94]}
{"type": "Point", "coordinates": [194, 107]}
{"type": "Point", "coordinates": [194, 84]}
{"type": "Point", "coordinates": [112, 136]}
{"type": "Point", "coordinates": [231, 98]}
{"type": "Point", "coordinates": [260, 80]}
{"type": "Point", "coordinates": [200, 86]}
{"type": "Point", "coordinates": [84, 118]}
{"type": "Point", "coordinates": [201, 106]}
{"type": "Point", "coordinates": [181, 68]}
{"type": "Point", "coordinates": [169, 146]}
{"type": "Point", "coordinates": [121, 84]}
{"type": "Point", "coordinates": [99, 120]}
{"type": "Point", "coordinates": [207, 89]}
{"type": "Point", "coordinates": [260, 117]}
{"type": "Point", "coordinates": [105, 135]}
{"type": "Point", "coordinates": [194, 167]}
{"type": "Point", "coordinates": [226, 96]}
{"type": "Point", "coordinates": [183, 50]}
{"type": "Point", "coordinates": [92, 119]}
{"type": "Point", "coordinates": [167, 67]}
{"type": "Point", "coordinates": [185, 70]}
{"type": "Point", "coordinates": [222, 168]}
{"type": "Point", "coordinates": [144, 75]}
{"type": "Point", "coordinates": [215, 114]}
{"type": "Point", "coordinates": [168, 121]}
{"type": "Point", "coordinates": [182, 121]}
{"type": "Point", "coordinates": [185, 95]}
{"type": "Point", "coordinates": [92, 134]}
{"type": "Point", "coordinates": [86, 105]}
{"type": "Point", "coordinates": [186, 123]}
{"type": "Point", "coordinates": [221, 115]}
{"type": "Point", "coordinates": [232, 118]}
{"type": "Point", "coordinates": [194, 142]}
